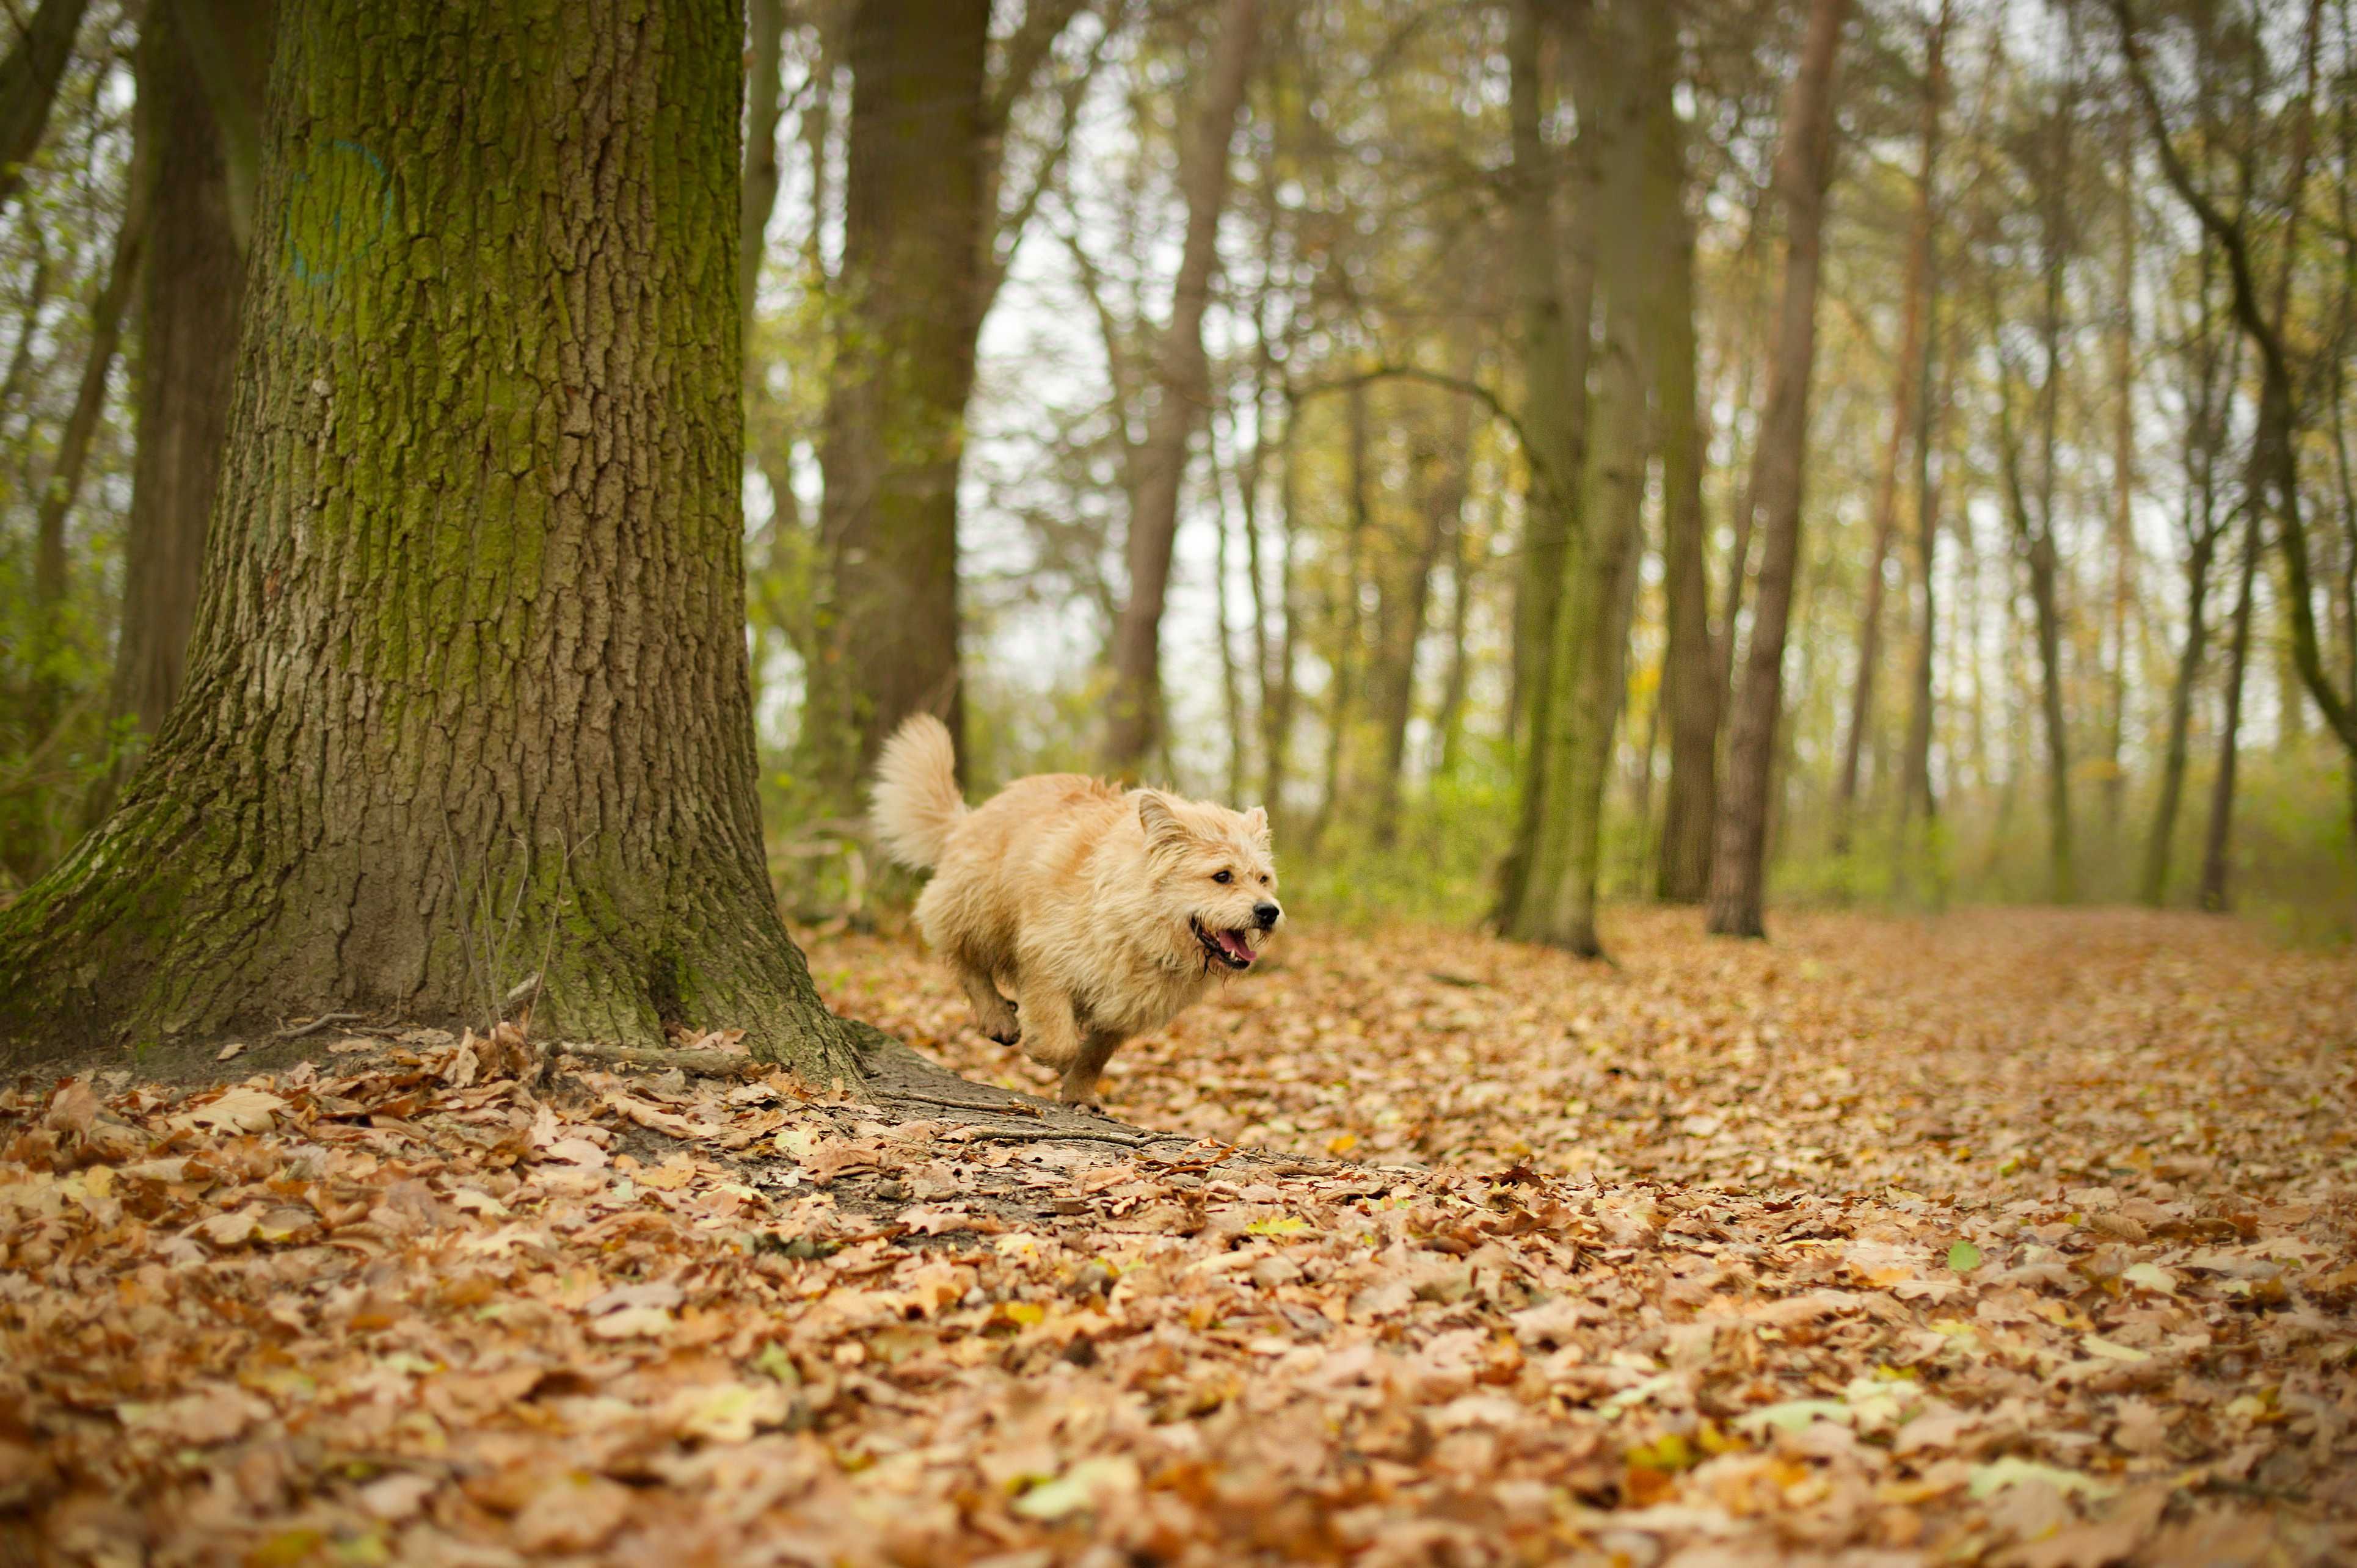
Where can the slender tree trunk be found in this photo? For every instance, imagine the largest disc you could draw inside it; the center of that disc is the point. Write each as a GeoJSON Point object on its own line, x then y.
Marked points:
{"type": "Point", "coordinates": [1554, 305]}
{"type": "Point", "coordinates": [2204, 431]}
{"type": "Point", "coordinates": [2123, 513]}
{"type": "Point", "coordinates": [764, 71]}
{"type": "Point", "coordinates": [1448, 722]}
{"type": "Point", "coordinates": [1804, 167]}
{"type": "Point", "coordinates": [191, 295]}
{"type": "Point", "coordinates": [467, 698]}
{"type": "Point", "coordinates": [28, 85]}
{"type": "Point", "coordinates": [1908, 386]}
{"type": "Point", "coordinates": [1588, 677]}
{"type": "Point", "coordinates": [1350, 629]}
{"type": "Point", "coordinates": [2154, 887]}
{"type": "Point", "coordinates": [1932, 424]}
{"type": "Point", "coordinates": [1135, 728]}
{"type": "Point", "coordinates": [908, 296]}
{"type": "Point", "coordinates": [2217, 843]}
{"type": "Point", "coordinates": [1277, 703]}
{"type": "Point", "coordinates": [1441, 503]}
{"type": "Point", "coordinates": [1689, 696]}
{"type": "Point", "coordinates": [46, 645]}
{"type": "Point", "coordinates": [1232, 691]}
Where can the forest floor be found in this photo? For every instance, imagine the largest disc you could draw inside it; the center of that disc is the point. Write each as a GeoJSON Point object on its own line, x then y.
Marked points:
{"type": "Point", "coordinates": [2019, 1237]}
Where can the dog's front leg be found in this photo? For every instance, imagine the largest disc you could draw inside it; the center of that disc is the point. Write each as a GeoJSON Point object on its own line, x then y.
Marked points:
{"type": "Point", "coordinates": [1080, 1085]}
{"type": "Point", "coordinates": [1052, 1031]}
{"type": "Point", "coordinates": [995, 1014]}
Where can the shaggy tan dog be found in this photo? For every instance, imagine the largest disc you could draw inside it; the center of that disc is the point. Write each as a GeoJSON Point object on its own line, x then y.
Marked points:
{"type": "Point", "coordinates": [1104, 912]}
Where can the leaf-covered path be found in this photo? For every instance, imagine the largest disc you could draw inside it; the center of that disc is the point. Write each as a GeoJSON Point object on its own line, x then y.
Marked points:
{"type": "Point", "coordinates": [2018, 1237]}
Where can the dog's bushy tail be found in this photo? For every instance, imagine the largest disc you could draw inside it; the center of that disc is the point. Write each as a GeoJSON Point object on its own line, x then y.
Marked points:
{"type": "Point", "coordinates": [915, 802]}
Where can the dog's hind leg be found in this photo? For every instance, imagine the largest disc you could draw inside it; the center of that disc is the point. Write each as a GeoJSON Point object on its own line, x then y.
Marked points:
{"type": "Point", "coordinates": [995, 1014]}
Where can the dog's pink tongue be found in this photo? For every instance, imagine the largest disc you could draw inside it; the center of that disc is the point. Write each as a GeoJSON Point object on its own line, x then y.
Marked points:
{"type": "Point", "coordinates": [1235, 942]}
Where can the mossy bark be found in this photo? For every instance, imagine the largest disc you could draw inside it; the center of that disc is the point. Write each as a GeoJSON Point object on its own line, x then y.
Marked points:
{"type": "Point", "coordinates": [907, 310]}
{"type": "Point", "coordinates": [467, 695]}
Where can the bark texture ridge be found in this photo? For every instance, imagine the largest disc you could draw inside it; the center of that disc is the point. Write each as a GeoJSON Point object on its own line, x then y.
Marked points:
{"type": "Point", "coordinates": [467, 695]}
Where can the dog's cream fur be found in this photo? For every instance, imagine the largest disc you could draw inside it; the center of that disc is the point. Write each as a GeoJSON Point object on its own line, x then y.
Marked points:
{"type": "Point", "coordinates": [1104, 912]}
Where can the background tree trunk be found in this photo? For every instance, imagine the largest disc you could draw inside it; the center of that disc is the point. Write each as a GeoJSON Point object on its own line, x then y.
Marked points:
{"type": "Point", "coordinates": [1184, 381]}
{"type": "Point", "coordinates": [467, 695]}
{"type": "Point", "coordinates": [1689, 693]}
{"type": "Point", "coordinates": [1907, 387]}
{"type": "Point", "coordinates": [907, 299]}
{"type": "Point", "coordinates": [1915, 798]}
{"type": "Point", "coordinates": [1804, 167]}
{"type": "Point", "coordinates": [2217, 843]}
{"type": "Point", "coordinates": [28, 85]}
{"type": "Point", "coordinates": [190, 298]}
{"type": "Point", "coordinates": [1589, 678]}
{"type": "Point", "coordinates": [46, 646]}
{"type": "Point", "coordinates": [1554, 305]}
{"type": "Point", "coordinates": [1440, 501]}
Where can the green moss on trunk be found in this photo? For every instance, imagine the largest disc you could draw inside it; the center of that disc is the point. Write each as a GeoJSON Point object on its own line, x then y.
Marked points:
{"type": "Point", "coordinates": [468, 681]}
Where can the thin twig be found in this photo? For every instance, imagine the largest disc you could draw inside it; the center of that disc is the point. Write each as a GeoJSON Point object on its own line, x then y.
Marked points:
{"type": "Point", "coordinates": [318, 1023]}
{"type": "Point", "coordinates": [1012, 1107]}
{"type": "Point", "coordinates": [704, 1064]}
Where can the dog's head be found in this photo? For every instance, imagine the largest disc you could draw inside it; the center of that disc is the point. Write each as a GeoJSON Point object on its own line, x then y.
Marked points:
{"type": "Point", "coordinates": [1214, 878]}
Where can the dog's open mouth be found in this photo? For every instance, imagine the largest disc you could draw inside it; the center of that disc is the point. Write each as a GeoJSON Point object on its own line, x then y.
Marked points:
{"type": "Point", "coordinates": [1232, 948]}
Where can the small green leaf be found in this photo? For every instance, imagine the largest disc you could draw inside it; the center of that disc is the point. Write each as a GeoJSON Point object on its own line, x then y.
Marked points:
{"type": "Point", "coordinates": [1964, 1257]}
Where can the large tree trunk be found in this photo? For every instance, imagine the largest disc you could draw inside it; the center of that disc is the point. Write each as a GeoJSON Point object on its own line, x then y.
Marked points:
{"type": "Point", "coordinates": [1804, 165]}
{"type": "Point", "coordinates": [909, 302]}
{"type": "Point", "coordinates": [1907, 372]}
{"type": "Point", "coordinates": [193, 287]}
{"type": "Point", "coordinates": [1183, 378]}
{"type": "Point", "coordinates": [1689, 691]}
{"type": "Point", "coordinates": [1350, 629]}
{"type": "Point", "coordinates": [1588, 664]}
{"type": "Point", "coordinates": [28, 85]}
{"type": "Point", "coordinates": [467, 698]}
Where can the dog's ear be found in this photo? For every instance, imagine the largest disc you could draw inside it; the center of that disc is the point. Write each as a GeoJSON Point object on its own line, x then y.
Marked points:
{"type": "Point", "coordinates": [1161, 823]}
{"type": "Point", "coordinates": [1256, 823]}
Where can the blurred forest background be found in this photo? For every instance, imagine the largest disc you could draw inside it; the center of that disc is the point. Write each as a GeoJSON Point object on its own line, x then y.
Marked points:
{"type": "Point", "coordinates": [1904, 449]}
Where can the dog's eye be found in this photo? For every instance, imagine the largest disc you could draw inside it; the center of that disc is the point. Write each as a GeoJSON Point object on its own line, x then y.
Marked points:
{"type": "Point", "coordinates": [1223, 876]}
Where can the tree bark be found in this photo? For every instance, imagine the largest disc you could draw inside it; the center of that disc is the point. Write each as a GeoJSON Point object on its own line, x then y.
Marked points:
{"type": "Point", "coordinates": [1589, 678]}
{"type": "Point", "coordinates": [28, 85]}
{"type": "Point", "coordinates": [907, 307]}
{"type": "Point", "coordinates": [1349, 630]}
{"type": "Point", "coordinates": [190, 297]}
{"type": "Point", "coordinates": [2217, 842]}
{"type": "Point", "coordinates": [1554, 305]}
{"type": "Point", "coordinates": [1183, 376]}
{"type": "Point", "coordinates": [1689, 692]}
{"type": "Point", "coordinates": [1804, 167]}
{"type": "Point", "coordinates": [468, 697]}
{"type": "Point", "coordinates": [1909, 372]}
{"type": "Point", "coordinates": [1440, 503]}
{"type": "Point", "coordinates": [764, 71]}
{"type": "Point", "coordinates": [2204, 433]}
{"type": "Point", "coordinates": [46, 644]}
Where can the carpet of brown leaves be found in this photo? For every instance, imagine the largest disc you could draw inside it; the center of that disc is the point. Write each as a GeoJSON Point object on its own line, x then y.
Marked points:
{"type": "Point", "coordinates": [2018, 1238]}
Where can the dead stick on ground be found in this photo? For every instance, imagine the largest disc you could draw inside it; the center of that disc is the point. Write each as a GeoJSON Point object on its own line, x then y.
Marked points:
{"type": "Point", "coordinates": [704, 1064]}
{"type": "Point", "coordinates": [316, 1025]}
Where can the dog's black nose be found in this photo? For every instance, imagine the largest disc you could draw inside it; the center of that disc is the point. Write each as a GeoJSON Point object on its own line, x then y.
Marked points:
{"type": "Point", "coordinates": [1267, 915]}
